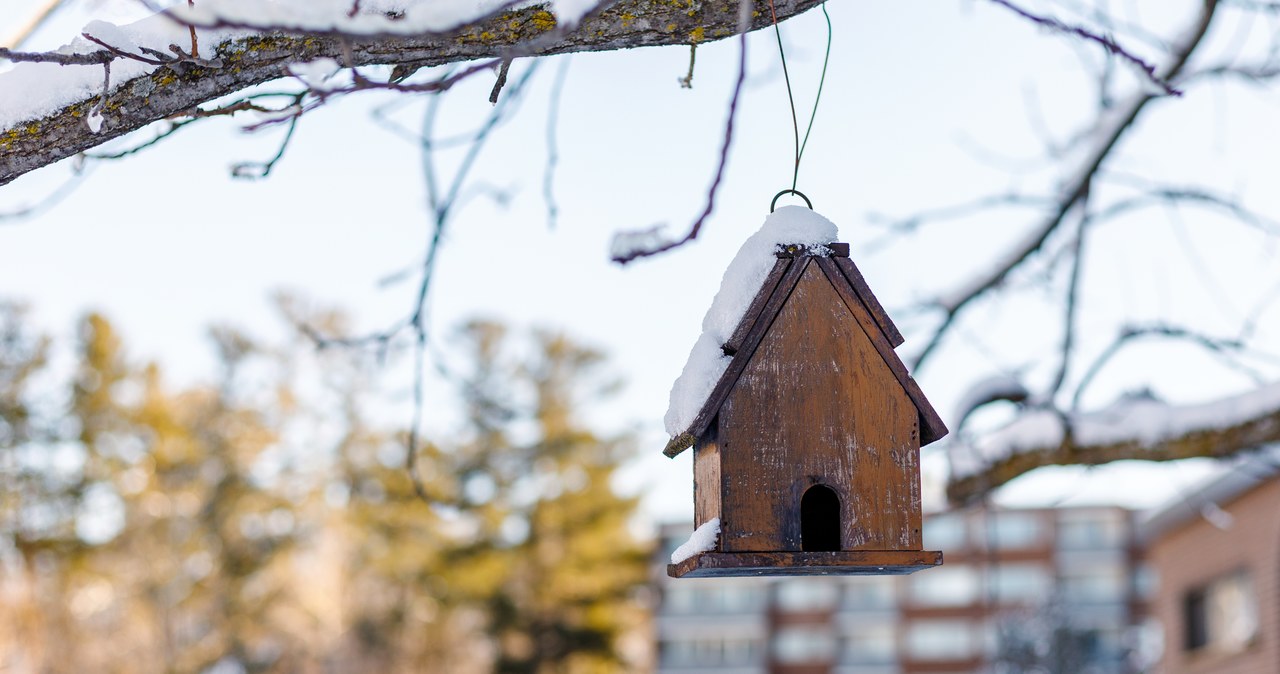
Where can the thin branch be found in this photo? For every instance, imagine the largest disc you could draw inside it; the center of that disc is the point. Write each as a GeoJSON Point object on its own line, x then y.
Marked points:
{"type": "Point", "coordinates": [1071, 310]}
{"type": "Point", "coordinates": [260, 170]}
{"type": "Point", "coordinates": [686, 82]}
{"type": "Point", "coordinates": [1219, 346]}
{"type": "Point", "coordinates": [501, 81]}
{"type": "Point", "coordinates": [1106, 42]}
{"type": "Point", "coordinates": [633, 245]}
{"type": "Point", "coordinates": [1111, 127]}
{"type": "Point", "coordinates": [64, 190]}
{"type": "Point", "coordinates": [553, 144]}
{"type": "Point", "coordinates": [79, 59]}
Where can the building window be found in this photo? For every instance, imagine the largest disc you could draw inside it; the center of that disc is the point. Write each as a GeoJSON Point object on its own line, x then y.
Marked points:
{"type": "Point", "coordinates": [1021, 583]}
{"type": "Point", "coordinates": [1013, 530]}
{"type": "Point", "coordinates": [955, 585]}
{"type": "Point", "coordinates": [795, 645]}
{"type": "Point", "coordinates": [1091, 529]}
{"type": "Point", "coordinates": [945, 531]}
{"type": "Point", "coordinates": [1222, 615]}
{"type": "Point", "coordinates": [807, 594]}
{"type": "Point", "coordinates": [719, 597]}
{"type": "Point", "coordinates": [710, 652]}
{"type": "Point", "coordinates": [940, 640]}
{"type": "Point", "coordinates": [868, 593]}
{"type": "Point", "coordinates": [868, 645]}
{"type": "Point", "coordinates": [1094, 583]}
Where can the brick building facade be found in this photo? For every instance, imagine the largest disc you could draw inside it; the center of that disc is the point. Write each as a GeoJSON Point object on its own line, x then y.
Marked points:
{"type": "Point", "coordinates": [1217, 554]}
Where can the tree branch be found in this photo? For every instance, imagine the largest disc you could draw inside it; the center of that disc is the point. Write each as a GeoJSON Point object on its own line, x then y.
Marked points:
{"type": "Point", "coordinates": [1111, 126]}
{"type": "Point", "coordinates": [1143, 429]}
{"type": "Point", "coordinates": [255, 59]}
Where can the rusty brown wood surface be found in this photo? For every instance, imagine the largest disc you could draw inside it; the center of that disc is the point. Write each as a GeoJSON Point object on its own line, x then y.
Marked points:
{"type": "Point", "coordinates": [816, 403]}
{"type": "Point", "coordinates": [855, 278]}
{"type": "Point", "coordinates": [722, 387]}
{"type": "Point", "coordinates": [864, 562]}
{"type": "Point", "coordinates": [931, 426]}
{"type": "Point", "coordinates": [756, 307]}
{"type": "Point", "coordinates": [706, 477]}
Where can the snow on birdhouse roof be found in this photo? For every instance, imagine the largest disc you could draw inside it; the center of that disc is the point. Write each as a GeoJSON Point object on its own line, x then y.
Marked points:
{"type": "Point", "coordinates": [754, 274]}
{"type": "Point", "coordinates": [742, 280]}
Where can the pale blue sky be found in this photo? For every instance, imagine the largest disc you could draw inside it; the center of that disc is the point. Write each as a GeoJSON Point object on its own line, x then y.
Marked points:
{"type": "Point", "coordinates": [925, 105]}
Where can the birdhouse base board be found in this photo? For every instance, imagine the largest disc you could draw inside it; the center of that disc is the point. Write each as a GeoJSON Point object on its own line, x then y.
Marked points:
{"type": "Point", "coordinates": [847, 563]}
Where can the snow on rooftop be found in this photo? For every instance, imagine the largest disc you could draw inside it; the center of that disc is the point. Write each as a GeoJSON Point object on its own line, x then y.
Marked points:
{"type": "Point", "coordinates": [742, 280]}
{"type": "Point", "coordinates": [702, 540]}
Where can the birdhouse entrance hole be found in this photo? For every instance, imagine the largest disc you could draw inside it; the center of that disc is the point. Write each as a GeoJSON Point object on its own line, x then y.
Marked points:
{"type": "Point", "coordinates": [820, 520]}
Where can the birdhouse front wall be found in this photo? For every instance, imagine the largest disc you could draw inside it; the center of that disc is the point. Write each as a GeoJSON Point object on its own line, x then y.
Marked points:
{"type": "Point", "coordinates": [815, 405]}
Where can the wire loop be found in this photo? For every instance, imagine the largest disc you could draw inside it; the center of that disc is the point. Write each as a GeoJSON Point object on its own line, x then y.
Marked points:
{"type": "Point", "coordinates": [798, 193]}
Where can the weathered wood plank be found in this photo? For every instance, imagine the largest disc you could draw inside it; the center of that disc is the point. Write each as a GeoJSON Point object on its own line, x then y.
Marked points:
{"type": "Point", "coordinates": [730, 376]}
{"type": "Point", "coordinates": [757, 306]}
{"type": "Point", "coordinates": [862, 562]}
{"type": "Point", "coordinates": [706, 478]}
{"type": "Point", "coordinates": [931, 425]}
{"type": "Point", "coordinates": [854, 276]}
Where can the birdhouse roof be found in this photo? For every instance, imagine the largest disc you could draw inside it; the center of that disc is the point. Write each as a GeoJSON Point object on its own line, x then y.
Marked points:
{"type": "Point", "coordinates": [717, 361]}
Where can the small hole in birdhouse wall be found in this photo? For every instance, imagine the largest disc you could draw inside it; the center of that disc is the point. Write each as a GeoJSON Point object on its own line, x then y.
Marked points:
{"type": "Point", "coordinates": [820, 520]}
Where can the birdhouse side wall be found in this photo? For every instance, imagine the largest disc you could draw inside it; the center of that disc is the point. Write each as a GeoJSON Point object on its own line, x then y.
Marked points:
{"type": "Point", "coordinates": [817, 404]}
{"type": "Point", "coordinates": [706, 477]}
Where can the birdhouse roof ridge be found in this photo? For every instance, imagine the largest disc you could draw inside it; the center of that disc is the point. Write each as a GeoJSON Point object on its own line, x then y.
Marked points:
{"type": "Point", "coordinates": [792, 262]}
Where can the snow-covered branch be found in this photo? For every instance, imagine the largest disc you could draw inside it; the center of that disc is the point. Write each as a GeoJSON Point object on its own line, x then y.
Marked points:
{"type": "Point", "coordinates": [1135, 427]}
{"type": "Point", "coordinates": [61, 97]}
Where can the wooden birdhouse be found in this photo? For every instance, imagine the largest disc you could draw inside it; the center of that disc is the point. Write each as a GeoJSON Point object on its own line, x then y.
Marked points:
{"type": "Point", "coordinates": [807, 447]}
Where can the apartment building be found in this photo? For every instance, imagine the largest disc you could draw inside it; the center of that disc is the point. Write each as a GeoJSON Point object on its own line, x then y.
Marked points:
{"type": "Point", "coordinates": [1061, 589]}
{"type": "Point", "coordinates": [1217, 553]}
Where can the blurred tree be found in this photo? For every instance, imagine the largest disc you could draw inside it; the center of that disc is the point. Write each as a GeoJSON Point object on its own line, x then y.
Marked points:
{"type": "Point", "coordinates": [211, 529]}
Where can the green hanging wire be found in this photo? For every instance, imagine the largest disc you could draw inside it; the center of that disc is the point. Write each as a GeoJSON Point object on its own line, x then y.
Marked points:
{"type": "Point", "coordinates": [795, 120]}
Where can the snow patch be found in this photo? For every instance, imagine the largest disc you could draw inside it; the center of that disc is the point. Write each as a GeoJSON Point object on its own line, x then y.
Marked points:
{"type": "Point", "coordinates": [94, 119]}
{"type": "Point", "coordinates": [742, 280]}
{"type": "Point", "coordinates": [315, 73]}
{"type": "Point", "coordinates": [570, 12]}
{"type": "Point", "coordinates": [703, 539]}
{"type": "Point", "coordinates": [34, 90]}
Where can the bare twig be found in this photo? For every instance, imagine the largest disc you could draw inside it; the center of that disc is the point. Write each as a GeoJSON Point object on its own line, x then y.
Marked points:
{"type": "Point", "coordinates": [553, 145]}
{"type": "Point", "coordinates": [85, 59]}
{"type": "Point", "coordinates": [1219, 346]}
{"type": "Point", "coordinates": [64, 190]}
{"type": "Point", "coordinates": [1073, 291]}
{"type": "Point", "coordinates": [259, 170]}
{"type": "Point", "coordinates": [651, 246]}
{"type": "Point", "coordinates": [1112, 125]}
{"type": "Point", "coordinates": [195, 41]}
{"type": "Point", "coordinates": [686, 82]}
{"type": "Point", "coordinates": [1106, 42]}
{"type": "Point", "coordinates": [501, 81]}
